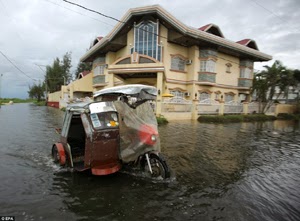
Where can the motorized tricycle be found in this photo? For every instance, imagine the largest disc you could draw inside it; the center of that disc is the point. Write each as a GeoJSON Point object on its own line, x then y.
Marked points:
{"type": "Point", "coordinates": [117, 129]}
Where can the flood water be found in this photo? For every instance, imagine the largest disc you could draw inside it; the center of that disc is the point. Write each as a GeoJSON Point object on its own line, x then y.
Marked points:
{"type": "Point", "coordinates": [240, 171]}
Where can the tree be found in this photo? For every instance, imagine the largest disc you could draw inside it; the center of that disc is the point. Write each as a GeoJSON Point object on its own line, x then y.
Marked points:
{"type": "Point", "coordinates": [267, 81]}
{"type": "Point", "coordinates": [83, 66]}
{"type": "Point", "coordinates": [58, 73]}
{"type": "Point", "coordinates": [36, 92]}
{"type": "Point", "coordinates": [297, 75]}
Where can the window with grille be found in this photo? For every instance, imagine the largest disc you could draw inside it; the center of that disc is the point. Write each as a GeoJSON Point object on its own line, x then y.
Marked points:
{"type": "Point", "coordinates": [177, 93]}
{"type": "Point", "coordinates": [246, 73]}
{"type": "Point", "coordinates": [229, 97]}
{"type": "Point", "coordinates": [207, 66]}
{"type": "Point", "coordinates": [146, 39]}
{"type": "Point", "coordinates": [177, 63]}
{"type": "Point", "coordinates": [204, 96]}
{"type": "Point", "coordinates": [98, 70]}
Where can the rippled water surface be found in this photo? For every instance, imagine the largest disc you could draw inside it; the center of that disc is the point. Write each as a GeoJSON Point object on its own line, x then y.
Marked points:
{"type": "Point", "coordinates": [240, 171]}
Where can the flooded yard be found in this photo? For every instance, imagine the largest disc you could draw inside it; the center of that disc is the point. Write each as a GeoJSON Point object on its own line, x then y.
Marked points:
{"type": "Point", "coordinates": [239, 171]}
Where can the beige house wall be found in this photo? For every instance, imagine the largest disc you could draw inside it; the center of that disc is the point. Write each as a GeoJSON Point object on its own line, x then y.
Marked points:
{"type": "Point", "coordinates": [84, 84]}
{"type": "Point", "coordinates": [54, 97]}
{"type": "Point", "coordinates": [222, 77]}
{"type": "Point", "coordinates": [285, 108]}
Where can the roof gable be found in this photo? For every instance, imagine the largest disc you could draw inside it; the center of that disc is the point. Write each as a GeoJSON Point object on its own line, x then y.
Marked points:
{"type": "Point", "coordinates": [212, 29]}
{"type": "Point", "coordinates": [248, 43]}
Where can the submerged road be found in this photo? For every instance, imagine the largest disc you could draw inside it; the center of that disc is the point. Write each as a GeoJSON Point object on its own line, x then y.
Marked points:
{"type": "Point", "coordinates": [239, 171]}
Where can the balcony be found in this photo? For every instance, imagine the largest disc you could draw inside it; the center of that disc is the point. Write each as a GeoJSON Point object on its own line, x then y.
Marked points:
{"type": "Point", "coordinates": [207, 77]}
{"type": "Point", "coordinates": [99, 79]}
{"type": "Point", "coordinates": [245, 82]}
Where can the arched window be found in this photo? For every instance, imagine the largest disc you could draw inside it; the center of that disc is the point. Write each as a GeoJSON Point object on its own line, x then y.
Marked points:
{"type": "Point", "coordinates": [229, 97]}
{"type": "Point", "coordinates": [146, 39]}
{"type": "Point", "coordinates": [204, 96]}
{"type": "Point", "coordinates": [177, 93]}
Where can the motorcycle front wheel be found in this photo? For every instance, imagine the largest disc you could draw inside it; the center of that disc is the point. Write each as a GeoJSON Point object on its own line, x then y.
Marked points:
{"type": "Point", "coordinates": [158, 165]}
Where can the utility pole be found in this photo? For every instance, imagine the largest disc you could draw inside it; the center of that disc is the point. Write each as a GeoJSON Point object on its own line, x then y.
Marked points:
{"type": "Point", "coordinates": [46, 83]}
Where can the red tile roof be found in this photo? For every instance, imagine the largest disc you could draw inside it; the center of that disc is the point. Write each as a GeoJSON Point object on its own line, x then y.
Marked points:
{"type": "Point", "coordinates": [248, 43]}
{"type": "Point", "coordinates": [212, 29]}
{"type": "Point", "coordinates": [244, 42]}
{"type": "Point", "coordinates": [83, 74]}
{"type": "Point", "coordinates": [205, 27]}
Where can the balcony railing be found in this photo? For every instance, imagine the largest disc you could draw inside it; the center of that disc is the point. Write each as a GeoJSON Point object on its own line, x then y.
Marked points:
{"type": "Point", "coordinates": [207, 77]}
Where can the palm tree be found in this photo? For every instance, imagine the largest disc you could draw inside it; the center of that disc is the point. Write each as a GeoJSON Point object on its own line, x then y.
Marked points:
{"type": "Point", "coordinates": [267, 81]}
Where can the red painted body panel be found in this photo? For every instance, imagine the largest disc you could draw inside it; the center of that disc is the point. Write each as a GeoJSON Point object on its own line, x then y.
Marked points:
{"type": "Point", "coordinates": [53, 104]}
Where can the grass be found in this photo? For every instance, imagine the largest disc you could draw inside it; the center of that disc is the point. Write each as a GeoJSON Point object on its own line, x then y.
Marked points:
{"type": "Point", "coordinates": [161, 120]}
{"type": "Point", "coordinates": [235, 118]}
{"type": "Point", "coordinates": [18, 101]}
{"type": "Point", "coordinates": [285, 116]}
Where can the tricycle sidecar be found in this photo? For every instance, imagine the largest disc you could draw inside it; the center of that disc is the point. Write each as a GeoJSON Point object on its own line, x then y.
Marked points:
{"type": "Point", "coordinates": [118, 129]}
{"type": "Point", "coordinates": [89, 138]}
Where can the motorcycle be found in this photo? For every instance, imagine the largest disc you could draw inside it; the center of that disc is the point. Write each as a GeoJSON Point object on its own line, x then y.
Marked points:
{"type": "Point", "coordinates": [118, 129]}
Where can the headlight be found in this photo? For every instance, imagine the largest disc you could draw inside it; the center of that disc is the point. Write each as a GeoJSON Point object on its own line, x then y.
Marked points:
{"type": "Point", "coordinates": [153, 138]}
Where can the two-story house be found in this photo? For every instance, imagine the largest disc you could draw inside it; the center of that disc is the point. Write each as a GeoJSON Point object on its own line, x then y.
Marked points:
{"type": "Point", "coordinates": [150, 46]}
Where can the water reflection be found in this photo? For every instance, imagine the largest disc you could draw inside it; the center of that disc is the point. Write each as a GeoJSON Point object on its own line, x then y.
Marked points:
{"type": "Point", "coordinates": [240, 171]}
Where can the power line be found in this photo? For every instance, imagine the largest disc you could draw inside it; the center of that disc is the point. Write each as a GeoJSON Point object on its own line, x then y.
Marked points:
{"type": "Point", "coordinates": [16, 66]}
{"type": "Point", "coordinates": [78, 12]}
{"type": "Point", "coordinates": [276, 15]}
{"type": "Point", "coordinates": [91, 10]}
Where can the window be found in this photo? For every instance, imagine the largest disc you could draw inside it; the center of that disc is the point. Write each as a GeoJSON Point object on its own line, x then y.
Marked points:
{"type": "Point", "coordinates": [246, 73]}
{"type": "Point", "coordinates": [229, 97]}
{"type": "Point", "coordinates": [204, 96]}
{"type": "Point", "coordinates": [177, 93]}
{"type": "Point", "coordinates": [98, 70]}
{"type": "Point", "coordinates": [207, 66]}
{"type": "Point", "coordinates": [145, 39]}
{"type": "Point", "coordinates": [177, 63]}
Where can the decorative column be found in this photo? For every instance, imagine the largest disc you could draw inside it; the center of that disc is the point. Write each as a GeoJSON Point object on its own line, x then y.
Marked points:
{"type": "Point", "coordinates": [245, 108]}
{"type": "Point", "coordinates": [222, 107]}
{"type": "Point", "coordinates": [159, 86]}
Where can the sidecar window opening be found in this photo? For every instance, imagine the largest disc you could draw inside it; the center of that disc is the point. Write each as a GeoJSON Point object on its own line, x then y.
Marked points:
{"type": "Point", "coordinates": [104, 120]}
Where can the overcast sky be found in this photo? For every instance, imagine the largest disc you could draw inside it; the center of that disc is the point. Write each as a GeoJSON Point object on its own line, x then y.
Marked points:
{"type": "Point", "coordinates": [37, 31]}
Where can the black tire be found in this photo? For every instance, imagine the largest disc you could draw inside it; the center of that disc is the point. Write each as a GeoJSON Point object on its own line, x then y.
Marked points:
{"type": "Point", "coordinates": [55, 155]}
{"type": "Point", "coordinates": [158, 165]}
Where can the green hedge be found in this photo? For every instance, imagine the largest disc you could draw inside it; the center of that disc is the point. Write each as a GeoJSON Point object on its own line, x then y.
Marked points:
{"type": "Point", "coordinates": [161, 120]}
{"type": "Point", "coordinates": [235, 118]}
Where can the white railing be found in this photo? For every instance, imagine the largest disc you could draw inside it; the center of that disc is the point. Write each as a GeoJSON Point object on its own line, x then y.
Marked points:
{"type": "Point", "coordinates": [233, 107]}
{"type": "Point", "coordinates": [176, 104]}
{"type": "Point", "coordinates": [208, 106]}
{"type": "Point", "coordinates": [253, 108]}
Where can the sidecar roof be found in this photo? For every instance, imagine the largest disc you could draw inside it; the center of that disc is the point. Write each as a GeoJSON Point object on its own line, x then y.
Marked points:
{"type": "Point", "coordinates": [134, 90]}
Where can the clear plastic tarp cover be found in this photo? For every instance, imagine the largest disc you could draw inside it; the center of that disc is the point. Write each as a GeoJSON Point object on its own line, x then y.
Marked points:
{"type": "Point", "coordinates": [133, 122]}
{"type": "Point", "coordinates": [139, 90]}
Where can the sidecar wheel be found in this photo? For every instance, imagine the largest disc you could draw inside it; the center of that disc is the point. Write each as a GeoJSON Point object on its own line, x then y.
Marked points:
{"type": "Point", "coordinates": [55, 155]}
{"type": "Point", "coordinates": [58, 154]}
{"type": "Point", "coordinates": [158, 165]}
